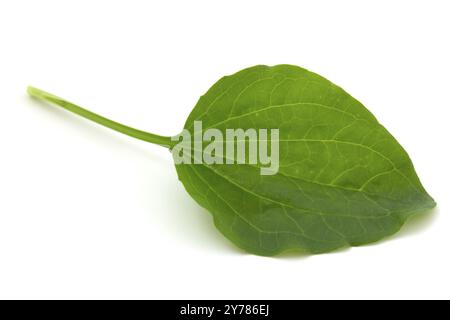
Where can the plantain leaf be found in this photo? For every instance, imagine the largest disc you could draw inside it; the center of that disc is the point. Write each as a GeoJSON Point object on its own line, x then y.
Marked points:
{"type": "Point", "coordinates": [343, 180]}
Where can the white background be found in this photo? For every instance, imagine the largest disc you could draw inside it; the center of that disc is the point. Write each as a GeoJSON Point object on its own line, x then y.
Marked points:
{"type": "Point", "coordinates": [88, 213]}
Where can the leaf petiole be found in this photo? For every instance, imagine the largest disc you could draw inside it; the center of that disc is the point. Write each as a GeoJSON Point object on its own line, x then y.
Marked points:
{"type": "Point", "coordinates": [138, 134]}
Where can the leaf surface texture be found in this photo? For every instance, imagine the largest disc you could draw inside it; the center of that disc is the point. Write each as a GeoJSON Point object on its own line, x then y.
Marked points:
{"type": "Point", "coordinates": [343, 179]}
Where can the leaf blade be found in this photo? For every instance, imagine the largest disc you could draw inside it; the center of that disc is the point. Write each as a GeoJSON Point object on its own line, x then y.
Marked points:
{"type": "Point", "coordinates": [343, 179]}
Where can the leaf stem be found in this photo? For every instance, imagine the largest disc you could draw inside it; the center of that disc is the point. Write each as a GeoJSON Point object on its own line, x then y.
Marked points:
{"type": "Point", "coordinates": [138, 134]}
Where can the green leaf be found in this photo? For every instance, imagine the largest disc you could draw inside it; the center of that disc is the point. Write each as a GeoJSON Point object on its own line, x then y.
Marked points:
{"type": "Point", "coordinates": [343, 179]}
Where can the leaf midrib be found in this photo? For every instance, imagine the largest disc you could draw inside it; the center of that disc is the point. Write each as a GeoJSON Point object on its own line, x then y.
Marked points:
{"type": "Point", "coordinates": [360, 190]}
